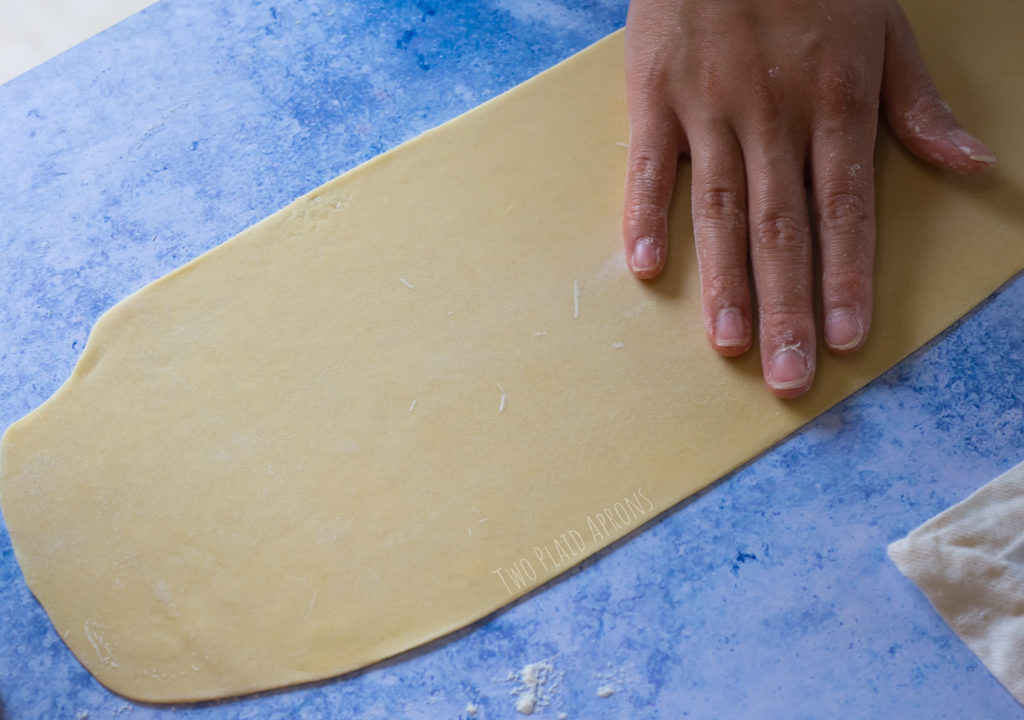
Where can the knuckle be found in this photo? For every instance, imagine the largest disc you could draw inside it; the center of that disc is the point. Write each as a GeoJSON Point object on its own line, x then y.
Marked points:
{"type": "Point", "coordinates": [724, 283]}
{"type": "Point", "coordinates": [852, 273]}
{"type": "Point", "coordinates": [779, 231]}
{"type": "Point", "coordinates": [843, 207]}
{"type": "Point", "coordinates": [646, 171]}
{"type": "Point", "coordinates": [648, 76]}
{"type": "Point", "coordinates": [843, 91]}
{"type": "Point", "coordinates": [645, 221]}
{"type": "Point", "coordinates": [847, 284]}
{"type": "Point", "coordinates": [768, 91]}
{"type": "Point", "coordinates": [647, 177]}
{"type": "Point", "coordinates": [711, 80]}
{"type": "Point", "coordinates": [927, 104]}
{"type": "Point", "coordinates": [786, 323]}
{"type": "Point", "coordinates": [721, 206]}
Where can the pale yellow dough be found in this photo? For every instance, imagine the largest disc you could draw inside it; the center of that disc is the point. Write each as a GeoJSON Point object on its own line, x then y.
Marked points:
{"type": "Point", "coordinates": [312, 447]}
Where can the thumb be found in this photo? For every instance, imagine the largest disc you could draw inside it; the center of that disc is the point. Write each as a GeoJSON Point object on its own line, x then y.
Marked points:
{"type": "Point", "coordinates": [915, 111]}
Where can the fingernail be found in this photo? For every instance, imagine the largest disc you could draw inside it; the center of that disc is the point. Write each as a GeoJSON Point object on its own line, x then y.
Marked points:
{"type": "Point", "coordinates": [730, 329]}
{"type": "Point", "coordinates": [788, 369]}
{"type": "Point", "coordinates": [843, 330]}
{"type": "Point", "coordinates": [645, 255]}
{"type": "Point", "coordinates": [972, 147]}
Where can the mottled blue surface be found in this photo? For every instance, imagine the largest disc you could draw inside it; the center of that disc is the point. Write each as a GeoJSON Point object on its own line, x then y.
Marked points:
{"type": "Point", "coordinates": [768, 596]}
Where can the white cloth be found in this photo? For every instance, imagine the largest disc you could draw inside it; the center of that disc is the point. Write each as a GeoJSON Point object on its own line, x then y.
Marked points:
{"type": "Point", "coordinates": [969, 561]}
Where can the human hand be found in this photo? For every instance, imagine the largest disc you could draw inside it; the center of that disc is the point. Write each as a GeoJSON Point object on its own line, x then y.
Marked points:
{"type": "Point", "coordinates": [763, 95]}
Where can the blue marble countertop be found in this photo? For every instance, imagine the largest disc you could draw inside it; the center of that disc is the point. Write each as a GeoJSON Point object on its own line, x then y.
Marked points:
{"type": "Point", "coordinates": [767, 596]}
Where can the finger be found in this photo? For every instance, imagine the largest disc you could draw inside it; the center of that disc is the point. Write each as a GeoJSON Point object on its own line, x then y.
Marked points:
{"type": "Point", "coordinates": [720, 233]}
{"type": "Point", "coordinates": [650, 178]}
{"type": "Point", "coordinates": [780, 249]}
{"type": "Point", "coordinates": [916, 112]}
{"type": "Point", "coordinates": [842, 172]}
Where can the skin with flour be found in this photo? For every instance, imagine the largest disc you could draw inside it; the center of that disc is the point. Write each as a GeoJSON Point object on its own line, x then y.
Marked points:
{"type": "Point", "coordinates": [765, 96]}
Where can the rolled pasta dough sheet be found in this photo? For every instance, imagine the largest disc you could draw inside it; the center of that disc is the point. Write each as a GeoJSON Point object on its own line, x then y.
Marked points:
{"type": "Point", "coordinates": [431, 385]}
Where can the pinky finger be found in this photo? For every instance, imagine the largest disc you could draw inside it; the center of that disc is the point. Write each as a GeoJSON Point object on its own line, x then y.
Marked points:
{"type": "Point", "coordinates": [650, 179]}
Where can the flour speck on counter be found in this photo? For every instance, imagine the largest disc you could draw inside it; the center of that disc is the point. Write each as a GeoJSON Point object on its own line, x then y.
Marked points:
{"type": "Point", "coordinates": [535, 686]}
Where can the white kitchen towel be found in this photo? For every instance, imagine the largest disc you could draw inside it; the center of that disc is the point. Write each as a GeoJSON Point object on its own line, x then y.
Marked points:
{"type": "Point", "coordinates": [969, 561]}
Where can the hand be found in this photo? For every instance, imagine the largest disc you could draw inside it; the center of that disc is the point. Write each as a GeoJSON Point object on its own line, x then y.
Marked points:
{"type": "Point", "coordinates": [763, 95]}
